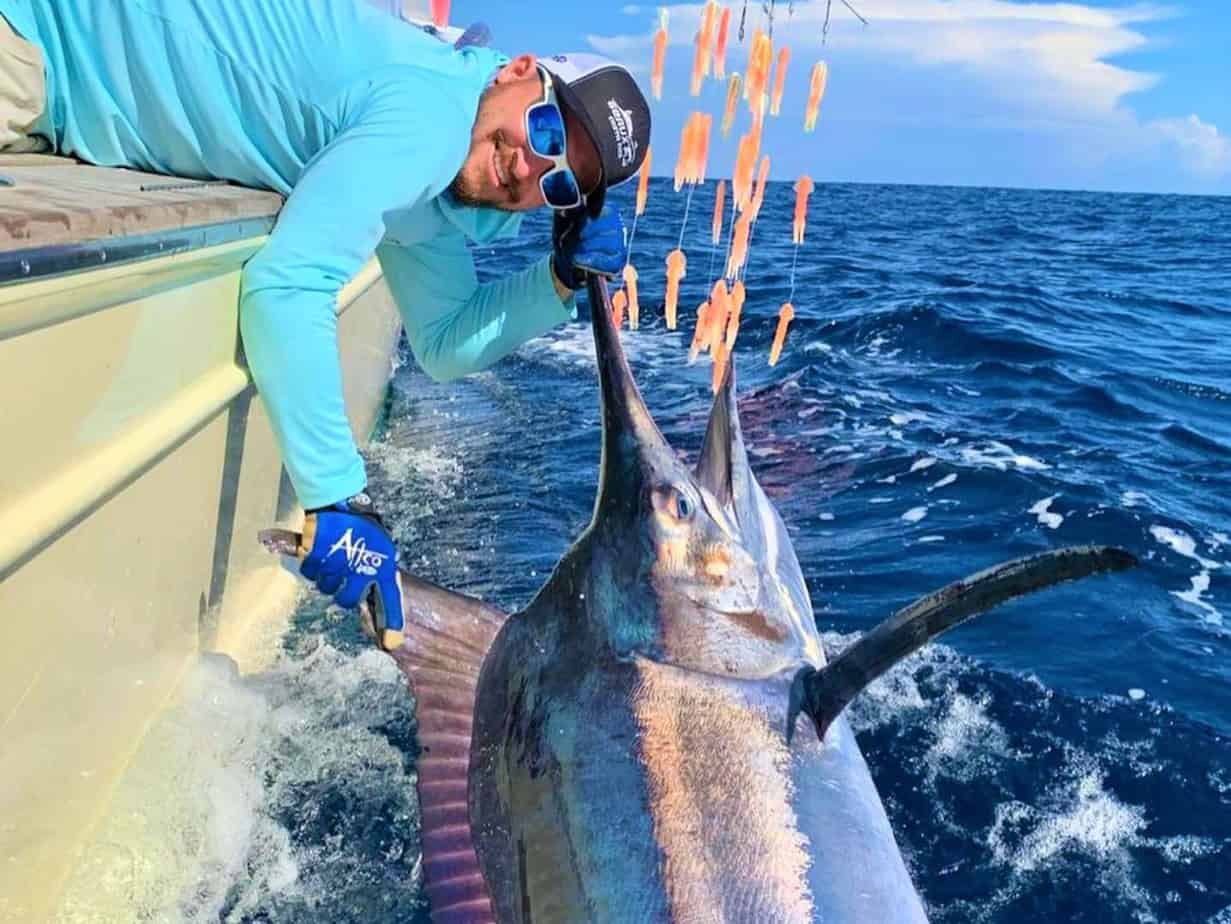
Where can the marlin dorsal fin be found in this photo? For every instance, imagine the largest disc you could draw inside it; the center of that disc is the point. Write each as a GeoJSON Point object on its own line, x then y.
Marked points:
{"type": "Point", "coordinates": [447, 636]}
{"type": "Point", "coordinates": [824, 693]}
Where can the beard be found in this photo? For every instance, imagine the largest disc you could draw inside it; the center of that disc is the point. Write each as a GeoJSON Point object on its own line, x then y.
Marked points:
{"type": "Point", "coordinates": [465, 191]}
{"type": "Point", "coordinates": [467, 186]}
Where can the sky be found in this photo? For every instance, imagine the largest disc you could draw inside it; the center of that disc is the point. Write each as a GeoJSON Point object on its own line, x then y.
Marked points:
{"type": "Point", "coordinates": [1099, 95]}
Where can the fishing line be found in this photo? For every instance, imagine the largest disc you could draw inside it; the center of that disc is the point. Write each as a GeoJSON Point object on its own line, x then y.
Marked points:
{"type": "Point", "coordinates": [632, 235]}
{"type": "Point", "coordinates": [794, 260]}
{"type": "Point", "coordinates": [743, 271]}
{"type": "Point", "coordinates": [684, 223]}
{"type": "Point", "coordinates": [713, 253]}
{"type": "Point", "coordinates": [730, 236]}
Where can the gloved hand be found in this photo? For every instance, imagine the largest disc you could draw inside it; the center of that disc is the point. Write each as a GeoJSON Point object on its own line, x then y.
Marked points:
{"type": "Point", "coordinates": [350, 551]}
{"type": "Point", "coordinates": [583, 245]}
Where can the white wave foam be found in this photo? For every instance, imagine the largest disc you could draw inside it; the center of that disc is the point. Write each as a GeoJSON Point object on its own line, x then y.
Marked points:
{"type": "Point", "coordinates": [1182, 544]}
{"type": "Point", "coordinates": [926, 462]}
{"type": "Point", "coordinates": [1134, 499]}
{"type": "Point", "coordinates": [930, 539]}
{"type": "Point", "coordinates": [208, 815]}
{"type": "Point", "coordinates": [943, 482]}
{"type": "Point", "coordinates": [572, 345]}
{"type": "Point", "coordinates": [1082, 816]}
{"type": "Point", "coordinates": [1195, 596]}
{"type": "Point", "coordinates": [901, 419]}
{"type": "Point", "coordinates": [414, 481]}
{"type": "Point", "coordinates": [999, 455]}
{"type": "Point", "coordinates": [1044, 515]}
{"type": "Point", "coordinates": [968, 742]}
{"type": "Point", "coordinates": [1136, 693]}
{"type": "Point", "coordinates": [915, 514]}
{"type": "Point", "coordinates": [400, 463]}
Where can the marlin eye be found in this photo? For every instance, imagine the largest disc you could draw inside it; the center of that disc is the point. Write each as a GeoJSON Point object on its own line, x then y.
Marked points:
{"type": "Point", "coordinates": [674, 503]}
{"type": "Point", "coordinates": [683, 506]}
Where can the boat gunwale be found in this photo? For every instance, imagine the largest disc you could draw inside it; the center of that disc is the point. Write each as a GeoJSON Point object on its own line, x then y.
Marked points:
{"type": "Point", "coordinates": [28, 263]}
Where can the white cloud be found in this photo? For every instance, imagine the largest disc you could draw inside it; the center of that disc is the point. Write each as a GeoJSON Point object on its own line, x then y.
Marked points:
{"type": "Point", "coordinates": [1203, 149]}
{"type": "Point", "coordinates": [1040, 62]}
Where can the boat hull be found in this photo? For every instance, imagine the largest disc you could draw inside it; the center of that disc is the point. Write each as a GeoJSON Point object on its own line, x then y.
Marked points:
{"type": "Point", "coordinates": [139, 465]}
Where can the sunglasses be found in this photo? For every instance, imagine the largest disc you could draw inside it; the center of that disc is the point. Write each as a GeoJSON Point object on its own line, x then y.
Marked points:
{"type": "Point", "coordinates": [545, 133]}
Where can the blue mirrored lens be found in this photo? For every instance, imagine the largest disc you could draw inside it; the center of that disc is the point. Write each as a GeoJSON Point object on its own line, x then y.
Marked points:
{"type": "Point", "coordinates": [546, 128]}
{"type": "Point", "coordinates": [560, 189]}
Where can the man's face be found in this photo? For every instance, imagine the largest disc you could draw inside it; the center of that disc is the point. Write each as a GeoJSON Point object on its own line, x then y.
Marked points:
{"type": "Point", "coordinates": [501, 170]}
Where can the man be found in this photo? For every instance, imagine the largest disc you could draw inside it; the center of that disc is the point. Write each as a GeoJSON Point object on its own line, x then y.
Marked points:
{"type": "Point", "coordinates": [384, 139]}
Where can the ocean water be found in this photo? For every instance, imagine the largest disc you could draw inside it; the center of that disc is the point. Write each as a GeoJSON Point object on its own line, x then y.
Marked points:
{"type": "Point", "coordinates": [973, 375]}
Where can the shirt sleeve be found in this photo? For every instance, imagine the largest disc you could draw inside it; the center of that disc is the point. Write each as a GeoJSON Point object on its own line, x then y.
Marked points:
{"type": "Point", "coordinates": [327, 230]}
{"type": "Point", "coordinates": [456, 326]}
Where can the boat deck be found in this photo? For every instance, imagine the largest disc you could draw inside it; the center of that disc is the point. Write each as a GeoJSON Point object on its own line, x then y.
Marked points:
{"type": "Point", "coordinates": [52, 205]}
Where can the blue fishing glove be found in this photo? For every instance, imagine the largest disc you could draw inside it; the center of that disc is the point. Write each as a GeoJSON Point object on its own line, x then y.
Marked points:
{"type": "Point", "coordinates": [350, 553]}
{"type": "Point", "coordinates": [582, 245]}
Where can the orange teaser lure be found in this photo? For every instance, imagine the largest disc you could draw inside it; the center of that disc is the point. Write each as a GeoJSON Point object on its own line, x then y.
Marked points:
{"type": "Point", "coordinates": [751, 79]}
{"type": "Point", "coordinates": [737, 308]}
{"type": "Point", "coordinates": [643, 181]}
{"type": "Point", "coordinates": [676, 265]}
{"type": "Point", "coordinates": [701, 334]}
{"type": "Point", "coordinates": [739, 244]}
{"type": "Point", "coordinates": [820, 76]}
{"type": "Point", "coordinates": [701, 57]}
{"type": "Point", "coordinates": [693, 145]}
{"type": "Point", "coordinates": [758, 197]}
{"type": "Point", "coordinates": [683, 160]}
{"type": "Point", "coordinates": [660, 57]}
{"type": "Point", "coordinates": [698, 65]}
{"type": "Point", "coordinates": [708, 24]}
{"type": "Point", "coordinates": [719, 197]}
{"type": "Point", "coordinates": [762, 57]}
{"type": "Point", "coordinates": [785, 315]}
{"type": "Point", "coordinates": [728, 114]}
{"type": "Point", "coordinates": [630, 285]}
{"type": "Point", "coordinates": [720, 47]}
{"type": "Point", "coordinates": [619, 302]}
{"type": "Point", "coordinates": [784, 58]}
{"type": "Point", "coordinates": [707, 128]}
{"type": "Point", "coordinates": [741, 176]}
{"type": "Point", "coordinates": [803, 189]}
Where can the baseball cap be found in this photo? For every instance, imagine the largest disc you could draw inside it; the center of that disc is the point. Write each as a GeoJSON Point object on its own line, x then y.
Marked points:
{"type": "Point", "coordinates": [605, 100]}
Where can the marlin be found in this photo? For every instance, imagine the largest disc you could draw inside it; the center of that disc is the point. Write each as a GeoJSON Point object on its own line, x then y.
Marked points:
{"type": "Point", "coordinates": [624, 748]}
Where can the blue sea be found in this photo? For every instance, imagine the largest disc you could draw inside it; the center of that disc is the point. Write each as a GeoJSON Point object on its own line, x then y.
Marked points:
{"type": "Point", "coordinates": [973, 375]}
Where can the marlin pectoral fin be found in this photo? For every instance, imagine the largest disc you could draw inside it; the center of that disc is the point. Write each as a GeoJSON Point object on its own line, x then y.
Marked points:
{"type": "Point", "coordinates": [824, 693]}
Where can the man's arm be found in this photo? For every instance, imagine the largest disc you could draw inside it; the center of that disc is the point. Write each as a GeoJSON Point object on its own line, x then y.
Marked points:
{"type": "Point", "coordinates": [456, 326]}
{"type": "Point", "coordinates": [327, 230]}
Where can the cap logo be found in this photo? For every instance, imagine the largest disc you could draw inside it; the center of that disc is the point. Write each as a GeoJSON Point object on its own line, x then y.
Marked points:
{"type": "Point", "coordinates": [621, 121]}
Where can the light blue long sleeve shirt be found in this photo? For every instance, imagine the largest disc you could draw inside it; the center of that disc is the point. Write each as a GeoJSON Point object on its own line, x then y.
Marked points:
{"type": "Point", "coordinates": [362, 121]}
